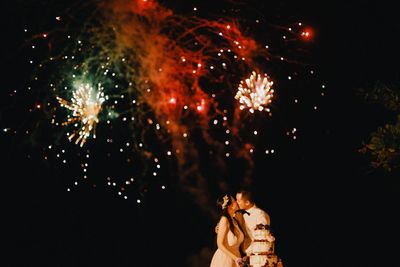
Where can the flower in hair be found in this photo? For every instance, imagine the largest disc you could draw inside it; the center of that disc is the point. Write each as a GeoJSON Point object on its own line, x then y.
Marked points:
{"type": "Point", "coordinates": [226, 200]}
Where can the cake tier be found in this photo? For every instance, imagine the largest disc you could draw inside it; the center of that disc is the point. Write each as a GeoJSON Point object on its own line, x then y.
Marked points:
{"type": "Point", "coordinates": [261, 234]}
{"type": "Point", "coordinates": [263, 260]}
{"type": "Point", "coordinates": [261, 246]}
{"type": "Point", "coordinates": [258, 260]}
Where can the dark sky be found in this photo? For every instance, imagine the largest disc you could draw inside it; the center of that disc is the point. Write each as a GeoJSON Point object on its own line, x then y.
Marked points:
{"type": "Point", "coordinates": [327, 207]}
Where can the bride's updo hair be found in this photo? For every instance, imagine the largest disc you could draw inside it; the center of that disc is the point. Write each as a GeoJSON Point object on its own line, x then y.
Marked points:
{"type": "Point", "coordinates": [224, 202]}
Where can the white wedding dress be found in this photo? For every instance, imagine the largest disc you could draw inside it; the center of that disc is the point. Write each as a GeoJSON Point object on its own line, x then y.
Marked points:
{"type": "Point", "coordinates": [220, 258]}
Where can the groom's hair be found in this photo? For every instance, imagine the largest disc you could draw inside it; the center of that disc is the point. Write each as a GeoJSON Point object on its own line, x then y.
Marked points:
{"type": "Point", "coordinates": [247, 195]}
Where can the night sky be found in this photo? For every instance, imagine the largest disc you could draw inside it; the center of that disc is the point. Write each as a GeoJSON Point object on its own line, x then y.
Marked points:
{"type": "Point", "coordinates": [327, 206]}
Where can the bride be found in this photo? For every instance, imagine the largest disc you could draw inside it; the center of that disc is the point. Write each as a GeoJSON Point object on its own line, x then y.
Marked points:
{"type": "Point", "coordinates": [229, 236]}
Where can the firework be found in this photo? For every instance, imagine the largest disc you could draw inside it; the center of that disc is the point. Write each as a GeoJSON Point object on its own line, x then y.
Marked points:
{"type": "Point", "coordinates": [170, 80]}
{"type": "Point", "coordinates": [85, 105]}
{"type": "Point", "coordinates": [255, 93]}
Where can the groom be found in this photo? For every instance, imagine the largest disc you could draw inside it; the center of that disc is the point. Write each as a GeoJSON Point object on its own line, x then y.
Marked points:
{"type": "Point", "coordinates": [251, 215]}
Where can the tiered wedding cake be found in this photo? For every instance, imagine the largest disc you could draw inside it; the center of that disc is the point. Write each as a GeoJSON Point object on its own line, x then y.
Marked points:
{"type": "Point", "coordinates": [263, 252]}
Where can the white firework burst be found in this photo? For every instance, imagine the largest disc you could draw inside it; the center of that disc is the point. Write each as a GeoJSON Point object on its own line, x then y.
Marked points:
{"type": "Point", "coordinates": [85, 105]}
{"type": "Point", "coordinates": [255, 93]}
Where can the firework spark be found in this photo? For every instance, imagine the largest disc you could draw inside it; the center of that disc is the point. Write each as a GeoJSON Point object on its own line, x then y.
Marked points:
{"type": "Point", "coordinates": [255, 93]}
{"type": "Point", "coordinates": [85, 106]}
